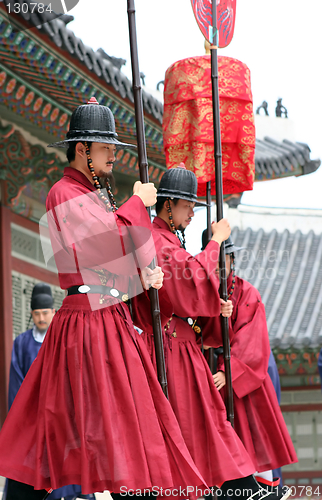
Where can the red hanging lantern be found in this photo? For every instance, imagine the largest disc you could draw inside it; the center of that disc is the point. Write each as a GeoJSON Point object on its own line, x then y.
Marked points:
{"type": "Point", "coordinates": [188, 122]}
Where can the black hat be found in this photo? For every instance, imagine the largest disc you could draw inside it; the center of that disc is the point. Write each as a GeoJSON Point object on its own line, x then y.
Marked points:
{"type": "Point", "coordinates": [179, 183]}
{"type": "Point", "coordinates": [41, 297]}
{"type": "Point", "coordinates": [230, 247]}
{"type": "Point", "coordinates": [228, 244]}
{"type": "Point", "coordinates": [92, 122]}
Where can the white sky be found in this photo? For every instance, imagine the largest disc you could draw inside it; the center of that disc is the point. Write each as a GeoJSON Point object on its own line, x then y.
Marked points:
{"type": "Point", "coordinates": [279, 40]}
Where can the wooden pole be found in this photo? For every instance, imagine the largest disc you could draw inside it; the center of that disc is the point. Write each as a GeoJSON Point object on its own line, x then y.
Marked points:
{"type": "Point", "coordinates": [220, 208]}
{"type": "Point", "coordinates": [211, 352]}
{"type": "Point", "coordinates": [144, 177]}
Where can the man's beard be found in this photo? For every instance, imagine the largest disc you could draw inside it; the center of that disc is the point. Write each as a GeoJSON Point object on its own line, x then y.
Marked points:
{"type": "Point", "coordinates": [42, 329]}
{"type": "Point", "coordinates": [107, 176]}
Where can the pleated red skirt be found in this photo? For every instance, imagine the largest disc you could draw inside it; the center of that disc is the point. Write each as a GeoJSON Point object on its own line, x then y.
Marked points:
{"type": "Point", "coordinates": [91, 411]}
{"type": "Point", "coordinates": [260, 425]}
{"type": "Point", "coordinates": [214, 445]}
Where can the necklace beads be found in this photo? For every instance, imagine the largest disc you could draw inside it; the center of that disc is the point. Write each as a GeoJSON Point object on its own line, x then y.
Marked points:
{"type": "Point", "coordinates": [233, 270]}
{"type": "Point", "coordinates": [109, 202]}
{"type": "Point", "coordinates": [173, 228]}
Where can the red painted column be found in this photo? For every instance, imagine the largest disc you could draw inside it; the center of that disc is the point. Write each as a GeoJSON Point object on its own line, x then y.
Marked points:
{"type": "Point", "coordinates": [6, 329]}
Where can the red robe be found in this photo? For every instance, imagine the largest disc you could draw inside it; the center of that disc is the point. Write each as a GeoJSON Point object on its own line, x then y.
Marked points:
{"type": "Point", "coordinates": [192, 287]}
{"type": "Point", "coordinates": [90, 410]}
{"type": "Point", "coordinates": [258, 418]}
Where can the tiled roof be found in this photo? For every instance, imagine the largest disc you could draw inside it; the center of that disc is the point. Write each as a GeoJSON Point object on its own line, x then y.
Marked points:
{"type": "Point", "coordinates": [105, 67]}
{"type": "Point", "coordinates": [278, 159]}
{"type": "Point", "coordinates": [273, 159]}
{"type": "Point", "coordinates": [286, 268]}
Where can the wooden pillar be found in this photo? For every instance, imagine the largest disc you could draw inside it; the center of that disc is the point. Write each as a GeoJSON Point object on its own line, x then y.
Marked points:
{"type": "Point", "coordinates": [6, 329]}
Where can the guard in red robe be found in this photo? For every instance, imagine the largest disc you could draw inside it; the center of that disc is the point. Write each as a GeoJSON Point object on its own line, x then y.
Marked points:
{"type": "Point", "coordinates": [258, 418]}
{"type": "Point", "coordinates": [192, 286]}
{"type": "Point", "coordinates": [93, 411]}
{"type": "Point", "coordinates": [24, 351]}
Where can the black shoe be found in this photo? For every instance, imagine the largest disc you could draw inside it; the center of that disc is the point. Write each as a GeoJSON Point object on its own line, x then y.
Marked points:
{"type": "Point", "coordinates": [279, 493]}
{"type": "Point", "coordinates": [21, 491]}
{"type": "Point", "coordinates": [244, 488]}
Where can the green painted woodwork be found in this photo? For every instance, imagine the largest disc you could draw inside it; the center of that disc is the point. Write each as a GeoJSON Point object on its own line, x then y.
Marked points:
{"type": "Point", "coordinates": [297, 365]}
{"type": "Point", "coordinates": [28, 60]}
{"type": "Point", "coordinates": [30, 171]}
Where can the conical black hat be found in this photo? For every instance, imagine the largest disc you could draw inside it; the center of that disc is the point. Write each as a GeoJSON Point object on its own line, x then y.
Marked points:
{"type": "Point", "coordinates": [41, 297]}
{"type": "Point", "coordinates": [92, 122]}
{"type": "Point", "coordinates": [179, 183]}
{"type": "Point", "coordinates": [230, 246]}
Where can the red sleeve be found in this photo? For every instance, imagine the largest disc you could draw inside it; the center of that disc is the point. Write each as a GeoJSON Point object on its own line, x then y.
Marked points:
{"type": "Point", "coordinates": [249, 346]}
{"type": "Point", "coordinates": [134, 213]}
{"type": "Point", "coordinates": [119, 242]}
{"type": "Point", "coordinates": [190, 282]}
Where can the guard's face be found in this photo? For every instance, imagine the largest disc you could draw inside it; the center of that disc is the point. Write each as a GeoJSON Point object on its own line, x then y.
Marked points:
{"type": "Point", "coordinates": [42, 318]}
{"type": "Point", "coordinates": [182, 213]}
{"type": "Point", "coordinates": [228, 266]}
{"type": "Point", "coordinates": [103, 157]}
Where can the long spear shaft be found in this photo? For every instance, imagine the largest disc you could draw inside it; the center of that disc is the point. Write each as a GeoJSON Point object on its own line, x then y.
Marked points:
{"type": "Point", "coordinates": [144, 177]}
{"type": "Point", "coordinates": [220, 209]}
{"type": "Point", "coordinates": [211, 352]}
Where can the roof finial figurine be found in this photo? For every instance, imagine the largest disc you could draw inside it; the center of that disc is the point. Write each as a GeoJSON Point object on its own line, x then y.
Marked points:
{"type": "Point", "coordinates": [161, 82]}
{"type": "Point", "coordinates": [263, 106]}
{"type": "Point", "coordinates": [142, 77]}
{"type": "Point", "coordinates": [280, 109]}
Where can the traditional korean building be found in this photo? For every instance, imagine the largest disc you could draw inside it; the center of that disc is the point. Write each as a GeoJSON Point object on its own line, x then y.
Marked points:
{"type": "Point", "coordinates": [46, 72]}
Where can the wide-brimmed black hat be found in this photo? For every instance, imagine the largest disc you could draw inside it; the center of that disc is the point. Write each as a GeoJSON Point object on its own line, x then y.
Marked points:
{"type": "Point", "coordinates": [92, 122]}
{"type": "Point", "coordinates": [41, 297]}
{"type": "Point", "coordinates": [179, 183]}
{"type": "Point", "coordinates": [228, 244]}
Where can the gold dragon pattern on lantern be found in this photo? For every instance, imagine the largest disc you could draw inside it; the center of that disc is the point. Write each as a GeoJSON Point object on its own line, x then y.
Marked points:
{"type": "Point", "coordinates": [188, 122]}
